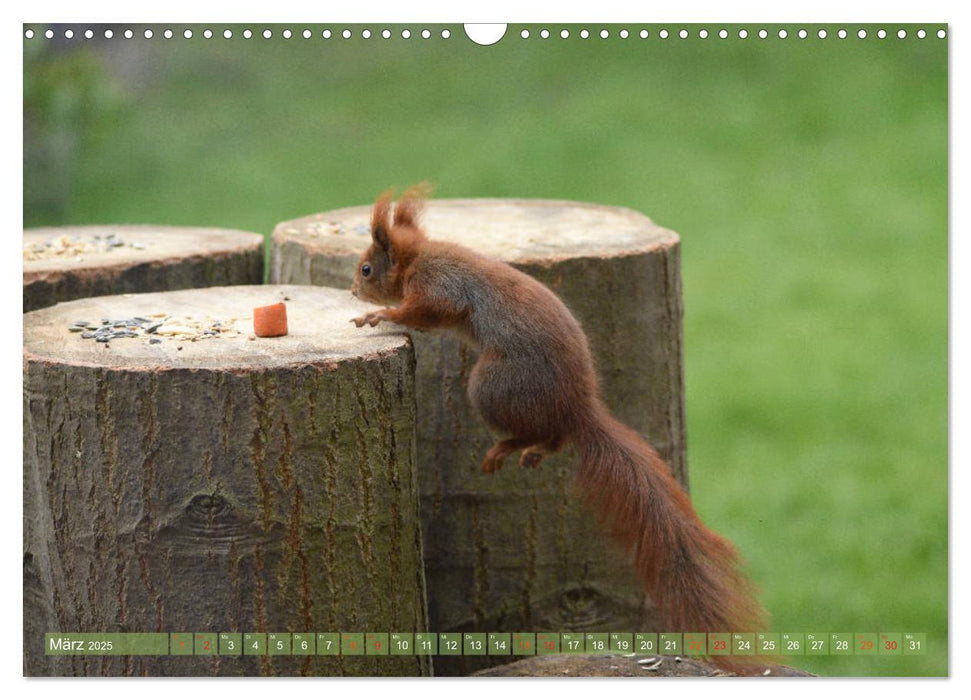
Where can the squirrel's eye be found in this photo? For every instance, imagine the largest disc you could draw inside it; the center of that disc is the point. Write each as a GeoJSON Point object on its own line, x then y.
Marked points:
{"type": "Point", "coordinates": [365, 270]}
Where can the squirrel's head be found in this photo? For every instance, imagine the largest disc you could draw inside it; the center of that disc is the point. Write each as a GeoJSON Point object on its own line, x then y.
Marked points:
{"type": "Point", "coordinates": [394, 243]}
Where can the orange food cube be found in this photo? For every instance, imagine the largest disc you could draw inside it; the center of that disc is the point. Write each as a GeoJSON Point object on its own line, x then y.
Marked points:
{"type": "Point", "coordinates": [270, 321]}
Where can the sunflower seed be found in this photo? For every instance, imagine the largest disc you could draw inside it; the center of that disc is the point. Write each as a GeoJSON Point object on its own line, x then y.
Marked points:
{"type": "Point", "coordinates": [174, 329]}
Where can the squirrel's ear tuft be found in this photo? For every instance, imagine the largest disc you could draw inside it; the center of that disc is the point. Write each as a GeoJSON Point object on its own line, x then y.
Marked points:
{"type": "Point", "coordinates": [412, 202]}
{"type": "Point", "coordinates": [381, 219]}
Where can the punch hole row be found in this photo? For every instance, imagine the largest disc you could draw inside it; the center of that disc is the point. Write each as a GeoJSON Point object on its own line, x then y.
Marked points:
{"type": "Point", "coordinates": [725, 33]}
{"type": "Point", "coordinates": [229, 34]}
{"type": "Point", "coordinates": [446, 34]}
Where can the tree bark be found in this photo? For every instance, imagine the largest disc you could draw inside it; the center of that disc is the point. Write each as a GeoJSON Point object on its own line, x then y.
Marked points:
{"type": "Point", "coordinates": [519, 550]}
{"type": "Point", "coordinates": [145, 259]}
{"type": "Point", "coordinates": [232, 484]}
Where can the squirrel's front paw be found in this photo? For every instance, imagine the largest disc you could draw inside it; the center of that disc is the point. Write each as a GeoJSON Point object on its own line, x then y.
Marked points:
{"type": "Point", "coordinates": [531, 457]}
{"type": "Point", "coordinates": [372, 317]}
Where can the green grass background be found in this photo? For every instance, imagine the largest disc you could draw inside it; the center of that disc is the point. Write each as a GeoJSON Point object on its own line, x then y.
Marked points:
{"type": "Point", "coordinates": [807, 178]}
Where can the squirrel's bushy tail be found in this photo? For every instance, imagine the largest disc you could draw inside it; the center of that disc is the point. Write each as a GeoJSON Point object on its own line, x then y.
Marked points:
{"type": "Point", "coordinates": [690, 572]}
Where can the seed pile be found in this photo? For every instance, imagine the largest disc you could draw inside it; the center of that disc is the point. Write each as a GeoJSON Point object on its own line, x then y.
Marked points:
{"type": "Point", "coordinates": [155, 327]}
{"type": "Point", "coordinates": [326, 228]}
{"type": "Point", "coordinates": [67, 246]}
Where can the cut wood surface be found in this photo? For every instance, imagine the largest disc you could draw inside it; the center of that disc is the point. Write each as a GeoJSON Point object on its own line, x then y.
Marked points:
{"type": "Point", "coordinates": [519, 550]}
{"type": "Point", "coordinates": [226, 484]}
{"type": "Point", "coordinates": [84, 261]}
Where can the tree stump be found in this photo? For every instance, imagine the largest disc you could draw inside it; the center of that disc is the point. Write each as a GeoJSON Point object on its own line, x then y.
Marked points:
{"type": "Point", "coordinates": [226, 484]}
{"type": "Point", "coordinates": [626, 666]}
{"type": "Point", "coordinates": [86, 261]}
{"type": "Point", "coordinates": [519, 550]}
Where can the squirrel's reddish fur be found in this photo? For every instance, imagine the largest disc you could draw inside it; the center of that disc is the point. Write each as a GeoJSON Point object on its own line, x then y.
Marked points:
{"type": "Point", "coordinates": [535, 384]}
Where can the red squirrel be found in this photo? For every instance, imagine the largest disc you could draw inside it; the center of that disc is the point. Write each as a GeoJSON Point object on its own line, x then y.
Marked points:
{"type": "Point", "coordinates": [534, 384]}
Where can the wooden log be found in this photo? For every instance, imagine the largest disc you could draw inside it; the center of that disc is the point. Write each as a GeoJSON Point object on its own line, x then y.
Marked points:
{"type": "Point", "coordinates": [85, 261]}
{"type": "Point", "coordinates": [226, 484]}
{"type": "Point", "coordinates": [518, 550]}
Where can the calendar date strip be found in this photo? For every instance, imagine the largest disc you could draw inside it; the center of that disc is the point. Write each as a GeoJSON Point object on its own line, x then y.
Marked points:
{"type": "Point", "coordinates": [483, 643]}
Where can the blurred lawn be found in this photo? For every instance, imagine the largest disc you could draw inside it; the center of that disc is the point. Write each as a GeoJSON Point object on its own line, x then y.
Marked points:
{"type": "Point", "coordinates": [808, 180]}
